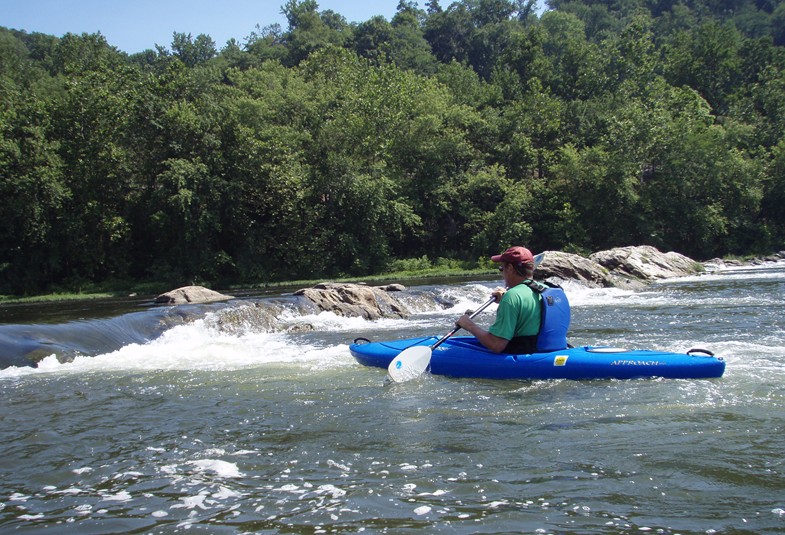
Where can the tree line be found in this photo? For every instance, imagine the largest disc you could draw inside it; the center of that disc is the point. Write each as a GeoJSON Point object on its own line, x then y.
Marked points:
{"type": "Point", "coordinates": [334, 149]}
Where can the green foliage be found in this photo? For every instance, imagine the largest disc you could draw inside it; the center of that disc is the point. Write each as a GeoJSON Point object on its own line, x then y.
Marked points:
{"type": "Point", "coordinates": [424, 266]}
{"type": "Point", "coordinates": [193, 52]}
{"type": "Point", "coordinates": [410, 264]}
{"type": "Point", "coordinates": [708, 60]}
{"type": "Point", "coordinates": [774, 188]}
{"type": "Point", "coordinates": [329, 149]}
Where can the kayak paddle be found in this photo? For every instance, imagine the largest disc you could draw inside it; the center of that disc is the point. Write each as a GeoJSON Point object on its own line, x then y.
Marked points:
{"type": "Point", "coordinates": [413, 361]}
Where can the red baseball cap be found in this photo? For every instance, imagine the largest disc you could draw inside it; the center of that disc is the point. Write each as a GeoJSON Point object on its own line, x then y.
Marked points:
{"type": "Point", "coordinates": [515, 255]}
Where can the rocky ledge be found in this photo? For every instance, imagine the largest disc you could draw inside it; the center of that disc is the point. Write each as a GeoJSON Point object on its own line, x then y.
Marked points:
{"type": "Point", "coordinates": [721, 263]}
{"type": "Point", "coordinates": [369, 302]}
{"type": "Point", "coordinates": [623, 267]}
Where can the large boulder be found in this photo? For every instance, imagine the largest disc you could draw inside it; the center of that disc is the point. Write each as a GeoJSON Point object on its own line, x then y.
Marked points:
{"type": "Point", "coordinates": [345, 299]}
{"type": "Point", "coordinates": [191, 295]}
{"type": "Point", "coordinates": [567, 266]}
{"type": "Point", "coordinates": [646, 263]}
{"type": "Point", "coordinates": [622, 267]}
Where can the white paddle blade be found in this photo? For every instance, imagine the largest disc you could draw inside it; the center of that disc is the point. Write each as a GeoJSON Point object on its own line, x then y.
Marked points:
{"type": "Point", "coordinates": [410, 363]}
{"type": "Point", "coordinates": [538, 259]}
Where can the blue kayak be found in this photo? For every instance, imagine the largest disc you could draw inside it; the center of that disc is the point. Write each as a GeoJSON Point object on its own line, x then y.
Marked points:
{"type": "Point", "coordinates": [464, 356]}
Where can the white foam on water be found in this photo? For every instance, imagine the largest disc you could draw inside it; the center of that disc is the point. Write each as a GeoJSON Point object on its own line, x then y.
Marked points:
{"type": "Point", "coordinates": [225, 493]}
{"type": "Point", "coordinates": [423, 510]}
{"type": "Point", "coordinates": [193, 502]}
{"type": "Point", "coordinates": [122, 496]}
{"type": "Point", "coordinates": [196, 346]}
{"type": "Point", "coordinates": [753, 358]}
{"type": "Point", "coordinates": [583, 296]}
{"type": "Point", "coordinates": [660, 294]}
{"type": "Point", "coordinates": [219, 468]}
{"type": "Point", "coordinates": [329, 321]}
{"type": "Point", "coordinates": [71, 491]}
{"type": "Point", "coordinates": [31, 516]}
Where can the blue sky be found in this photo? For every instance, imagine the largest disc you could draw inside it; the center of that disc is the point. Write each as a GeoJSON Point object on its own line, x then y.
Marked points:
{"type": "Point", "coordinates": [136, 25]}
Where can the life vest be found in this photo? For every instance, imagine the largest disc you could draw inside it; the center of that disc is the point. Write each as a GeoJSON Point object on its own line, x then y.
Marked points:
{"type": "Point", "coordinates": [555, 319]}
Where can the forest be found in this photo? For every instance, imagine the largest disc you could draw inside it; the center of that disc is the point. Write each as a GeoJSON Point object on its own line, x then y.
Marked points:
{"type": "Point", "coordinates": [328, 149]}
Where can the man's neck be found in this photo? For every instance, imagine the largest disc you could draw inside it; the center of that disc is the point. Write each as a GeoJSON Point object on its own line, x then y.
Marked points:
{"type": "Point", "coordinates": [516, 279]}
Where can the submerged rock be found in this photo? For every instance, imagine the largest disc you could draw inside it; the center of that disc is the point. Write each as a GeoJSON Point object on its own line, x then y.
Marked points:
{"type": "Point", "coordinates": [191, 295]}
{"type": "Point", "coordinates": [346, 299]}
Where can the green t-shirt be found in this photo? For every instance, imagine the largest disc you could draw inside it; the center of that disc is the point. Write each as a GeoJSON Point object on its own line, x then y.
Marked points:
{"type": "Point", "coordinates": [518, 313]}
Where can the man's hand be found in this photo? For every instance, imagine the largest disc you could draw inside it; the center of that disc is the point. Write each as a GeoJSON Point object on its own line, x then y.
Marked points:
{"type": "Point", "coordinates": [498, 293]}
{"type": "Point", "coordinates": [465, 322]}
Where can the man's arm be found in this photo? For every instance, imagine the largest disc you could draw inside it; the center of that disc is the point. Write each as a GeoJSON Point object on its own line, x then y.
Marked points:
{"type": "Point", "coordinates": [491, 341]}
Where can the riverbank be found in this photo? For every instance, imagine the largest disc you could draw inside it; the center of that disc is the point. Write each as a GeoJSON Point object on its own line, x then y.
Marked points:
{"type": "Point", "coordinates": [152, 289]}
{"type": "Point", "coordinates": [412, 273]}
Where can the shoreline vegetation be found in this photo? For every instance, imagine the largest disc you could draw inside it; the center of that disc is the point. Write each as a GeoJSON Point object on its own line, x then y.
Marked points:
{"type": "Point", "coordinates": [130, 289]}
{"type": "Point", "coordinates": [409, 271]}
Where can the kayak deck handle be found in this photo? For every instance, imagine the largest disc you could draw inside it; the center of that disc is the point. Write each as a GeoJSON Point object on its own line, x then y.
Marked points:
{"type": "Point", "coordinates": [698, 350]}
{"type": "Point", "coordinates": [361, 341]}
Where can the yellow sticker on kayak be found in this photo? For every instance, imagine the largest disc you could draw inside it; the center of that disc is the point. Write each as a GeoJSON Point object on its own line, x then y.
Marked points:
{"type": "Point", "coordinates": [560, 360]}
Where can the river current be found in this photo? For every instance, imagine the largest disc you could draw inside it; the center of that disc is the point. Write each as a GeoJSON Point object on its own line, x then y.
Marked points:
{"type": "Point", "coordinates": [252, 417]}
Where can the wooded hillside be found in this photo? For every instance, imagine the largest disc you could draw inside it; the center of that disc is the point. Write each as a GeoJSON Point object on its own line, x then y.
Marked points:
{"type": "Point", "coordinates": [329, 148]}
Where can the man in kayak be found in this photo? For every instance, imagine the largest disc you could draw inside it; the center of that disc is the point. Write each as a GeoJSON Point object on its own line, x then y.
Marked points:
{"type": "Point", "coordinates": [518, 315]}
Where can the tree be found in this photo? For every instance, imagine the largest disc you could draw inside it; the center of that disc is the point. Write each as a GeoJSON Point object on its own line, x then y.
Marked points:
{"type": "Point", "coordinates": [531, 127]}
{"type": "Point", "coordinates": [706, 59]}
{"type": "Point", "coordinates": [634, 59]}
{"type": "Point", "coordinates": [193, 52]}
{"type": "Point", "coordinates": [372, 38]}
{"type": "Point", "coordinates": [576, 67]}
{"type": "Point", "coordinates": [308, 31]}
{"type": "Point", "coordinates": [32, 193]}
{"type": "Point", "coordinates": [773, 202]}
{"type": "Point", "coordinates": [267, 43]}
{"type": "Point", "coordinates": [395, 125]}
{"type": "Point", "coordinates": [602, 194]}
{"type": "Point", "coordinates": [185, 221]}
{"type": "Point", "coordinates": [599, 17]}
{"type": "Point", "coordinates": [407, 46]}
{"type": "Point", "coordinates": [90, 124]}
{"type": "Point", "coordinates": [467, 89]}
{"type": "Point", "coordinates": [778, 24]}
{"type": "Point", "coordinates": [433, 7]}
{"type": "Point", "coordinates": [77, 54]}
{"type": "Point", "coordinates": [706, 198]}
{"type": "Point", "coordinates": [489, 45]}
{"type": "Point", "coordinates": [497, 210]}
{"type": "Point", "coordinates": [767, 100]}
{"type": "Point", "coordinates": [299, 12]}
{"type": "Point", "coordinates": [448, 33]}
{"type": "Point", "coordinates": [401, 42]}
{"type": "Point", "coordinates": [490, 12]}
{"type": "Point", "coordinates": [331, 148]}
{"type": "Point", "coordinates": [268, 224]}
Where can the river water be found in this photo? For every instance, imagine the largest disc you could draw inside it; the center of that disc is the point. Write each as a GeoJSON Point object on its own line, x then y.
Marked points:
{"type": "Point", "coordinates": [252, 417]}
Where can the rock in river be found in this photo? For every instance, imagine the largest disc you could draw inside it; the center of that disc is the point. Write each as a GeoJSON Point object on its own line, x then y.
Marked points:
{"type": "Point", "coordinates": [355, 300]}
{"type": "Point", "coordinates": [191, 295]}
